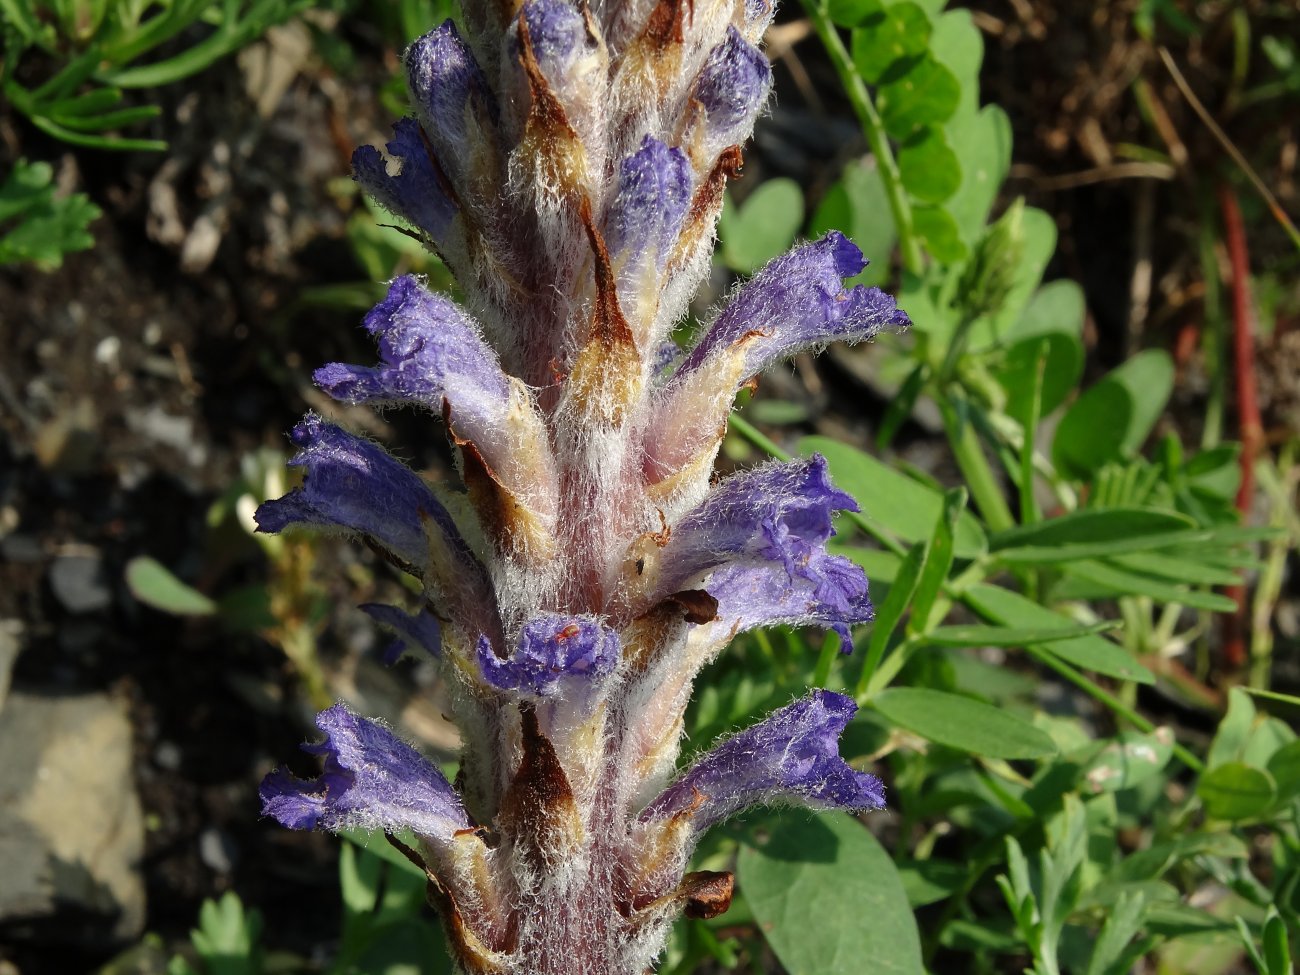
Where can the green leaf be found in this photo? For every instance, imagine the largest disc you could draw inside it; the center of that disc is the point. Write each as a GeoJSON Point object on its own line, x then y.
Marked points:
{"type": "Point", "coordinates": [1267, 737]}
{"type": "Point", "coordinates": [888, 37]}
{"type": "Point", "coordinates": [406, 947]}
{"type": "Point", "coordinates": [227, 938]}
{"type": "Point", "coordinates": [1234, 730]}
{"type": "Point", "coordinates": [1110, 421]}
{"type": "Point", "coordinates": [1093, 653]}
{"type": "Point", "coordinates": [930, 169]}
{"type": "Point", "coordinates": [926, 93]}
{"type": "Point", "coordinates": [1159, 858]}
{"type": "Point", "coordinates": [1120, 582]}
{"type": "Point", "coordinates": [1277, 950]}
{"type": "Point", "coordinates": [899, 505]}
{"type": "Point", "coordinates": [929, 881]}
{"type": "Point", "coordinates": [1090, 533]}
{"type": "Point", "coordinates": [958, 45]}
{"type": "Point", "coordinates": [973, 635]}
{"type": "Point", "coordinates": [938, 561]}
{"type": "Point", "coordinates": [47, 226]}
{"type": "Point", "coordinates": [1284, 766]}
{"type": "Point", "coordinates": [936, 227]}
{"type": "Point", "coordinates": [986, 936]}
{"type": "Point", "coordinates": [153, 584]}
{"type": "Point", "coordinates": [376, 845]}
{"type": "Point", "coordinates": [1112, 953]}
{"type": "Point", "coordinates": [891, 610]}
{"type": "Point", "coordinates": [854, 206]}
{"type": "Point", "coordinates": [1235, 791]}
{"type": "Point", "coordinates": [1176, 570]}
{"type": "Point", "coordinates": [1055, 314]}
{"type": "Point", "coordinates": [854, 13]}
{"type": "Point", "coordinates": [962, 723]}
{"type": "Point", "coordinates": [901, 405]}
{"type": "Point", "coordinates": [812, 882]}
{"type": "Point", "coordinates": [982, 142]}
{"type": "Point", "coordinates": [764, 227]}
{"type": "Point", "coordinates": [1130, 758]}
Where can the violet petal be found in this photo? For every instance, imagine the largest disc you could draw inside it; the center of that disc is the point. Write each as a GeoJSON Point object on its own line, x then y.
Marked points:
{"type": "Point", "coordinates": [356, 485]}
{"type": "Point", "coordinates": [430, 352]}
{"type": "Point", "coordinates": [777, 513]}
{"type": "Point", "coordinates": [830, 591]}
{"type": "Point", "coordinates": [733, 86]}
{"type": "Point", "coordinates": [445, 81]}
{"type": "Point", "coordinates": [554, 652]}
{"type": "Point", "coordinates": [792, 755]}
{"type": "Point", "coordinates": [798, 301]}
{"type": "Point", "coordinates": [414, 631]}
{"type": "Point", "coordinates": [414, 194]}
{"type": "Point", "coordinates": [649, 207]}
{"type": "Point", "coordinates": [371, 779]}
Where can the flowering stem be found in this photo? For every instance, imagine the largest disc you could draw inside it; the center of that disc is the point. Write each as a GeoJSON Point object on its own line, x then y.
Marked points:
{"type": "Point", "coordinates": [872, 127]}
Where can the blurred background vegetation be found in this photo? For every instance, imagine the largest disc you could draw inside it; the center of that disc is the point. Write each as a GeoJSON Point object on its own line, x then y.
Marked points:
{"type": "Point", "coordinates": [1078, 476]}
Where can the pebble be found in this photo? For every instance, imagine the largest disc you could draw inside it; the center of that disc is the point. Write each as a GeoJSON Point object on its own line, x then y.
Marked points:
{"type": "Point", "coordinates": [218, 850]}
{"type": "Point", "coordinates": [80, 583]}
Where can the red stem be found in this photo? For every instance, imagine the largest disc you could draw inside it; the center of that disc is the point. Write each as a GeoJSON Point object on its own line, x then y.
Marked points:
{"type": "Point", "coordinates": [1252, 430]}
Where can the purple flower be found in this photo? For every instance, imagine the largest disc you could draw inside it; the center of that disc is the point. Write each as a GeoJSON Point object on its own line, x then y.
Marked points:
{"type": "Point", "coordinates": [733, 88]}
{"type": "Point", "coordinates": [414, 631]}
{"type": "Point", "coordinates": [796, 302]}
{"type": "Point", "coordinates": [414, 193]}
{"type": "Point", "coordinates": [792, 755]}
{"type": "Point", "coordinates": [649, 206]}
{"type": "Point", "coordinates": [448, 89]}
{"type": "Point", "coordinates": [764, 534]}
{"type": "Point", "coordinates": [355, 485]}
{"type": "Point", "coordinates": [830, 591]}
{"type": "Point", "coordinates": [569, 165]}
{"type": "Point", "coordinates": [777, 513]}
{"type": "Point", "coordinates": [371, 780]}
{"type": "Point", "coordinates": [431, 353]}
{"type": "Point", "coordinates": [558, 35]}
{"type": "Point", "coordinates": [554, 653]}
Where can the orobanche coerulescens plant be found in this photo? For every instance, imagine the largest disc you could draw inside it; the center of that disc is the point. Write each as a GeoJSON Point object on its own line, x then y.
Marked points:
{"type": "Point", "coordinates": [567, 160]}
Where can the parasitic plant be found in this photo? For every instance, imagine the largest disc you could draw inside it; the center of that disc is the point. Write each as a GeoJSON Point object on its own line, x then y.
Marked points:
{"type": "Point", "coordinates": [567, 160]}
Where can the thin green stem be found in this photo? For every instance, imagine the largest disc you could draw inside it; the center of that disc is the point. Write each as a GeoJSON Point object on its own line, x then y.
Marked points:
{"type": "Point", "coordinates": [873, 128]}
{"type": "Point", "coordinates": [969, 452]}
{"type": "Point", "coordinates": [830, 650]}
{"type": "Point", "coordinates": [757, 437]}
{"type": "Point", "coordinates": [1028, 504]}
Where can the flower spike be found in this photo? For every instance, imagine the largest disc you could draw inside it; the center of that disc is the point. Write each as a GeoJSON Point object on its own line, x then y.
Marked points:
{"type": "Point", "coordinates": [567, 161]}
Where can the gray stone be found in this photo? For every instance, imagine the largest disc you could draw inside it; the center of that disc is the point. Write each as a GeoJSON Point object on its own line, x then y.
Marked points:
{"type": "Point", "coordinates": [80, 583]}
{"type": "Point", "coordinates": [218, 850]}
{"type": "Point", "coordinates": [71, 826]}
{"type": "Point", "coordinates": [11, 633]}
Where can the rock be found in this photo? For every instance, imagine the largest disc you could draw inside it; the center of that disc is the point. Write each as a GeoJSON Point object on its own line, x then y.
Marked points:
{"type": "Point", "coordinates": [11, 632]}
{"type": "Point", "coordinates": [218, 850]}
{"type": "Point", "coordinates": [71, 827]}
{"type": "Point", "coordinates": [80, 583]}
